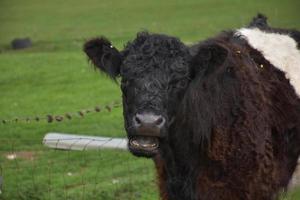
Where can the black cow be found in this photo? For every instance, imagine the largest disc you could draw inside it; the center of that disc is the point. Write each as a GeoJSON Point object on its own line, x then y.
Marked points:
{"type": "Point", "coordinates": [221, 119]}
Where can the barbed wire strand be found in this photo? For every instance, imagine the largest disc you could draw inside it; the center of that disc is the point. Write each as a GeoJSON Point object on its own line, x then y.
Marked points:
{"type": "Point", "coordinates": [62, 117]}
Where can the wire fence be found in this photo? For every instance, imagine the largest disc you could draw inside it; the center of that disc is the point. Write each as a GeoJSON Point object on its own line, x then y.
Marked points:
{"type": "Point", "coordinates": [62, 117]}
{"type": "Point", "coordinates": [40, 172]}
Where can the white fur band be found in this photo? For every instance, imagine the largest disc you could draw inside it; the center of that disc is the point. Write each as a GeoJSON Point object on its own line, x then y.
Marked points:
{"type": "Point", "coordinates": [280, 50]}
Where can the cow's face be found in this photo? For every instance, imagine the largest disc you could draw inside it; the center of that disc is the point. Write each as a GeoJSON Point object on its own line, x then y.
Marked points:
{"type": "Point", "coordinates": [155, 73]}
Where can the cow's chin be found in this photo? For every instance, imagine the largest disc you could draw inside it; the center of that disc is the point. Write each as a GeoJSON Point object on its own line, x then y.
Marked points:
{"type": "Point", "coordinates": [143, 146]}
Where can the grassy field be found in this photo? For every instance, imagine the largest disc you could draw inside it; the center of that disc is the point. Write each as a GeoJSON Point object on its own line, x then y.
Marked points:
{"type": "Point", "coordinates": [53, 77]}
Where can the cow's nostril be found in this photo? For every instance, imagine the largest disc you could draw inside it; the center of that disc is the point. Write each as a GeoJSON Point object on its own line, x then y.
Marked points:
{"type": "Point", "coordinates": [160, 121]}
{"type": "Point", "coordinates": [137, 120]}
{"type": "Point", "coordinates": [149, 120]}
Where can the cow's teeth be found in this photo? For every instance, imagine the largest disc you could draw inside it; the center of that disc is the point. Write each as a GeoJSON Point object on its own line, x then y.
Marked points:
{"type": "Point", "coordinates": [135, 143]}
{"type": "Point", "coordinates": [144, 142]}
{"type": "Point", "coordinates": [149, 145]}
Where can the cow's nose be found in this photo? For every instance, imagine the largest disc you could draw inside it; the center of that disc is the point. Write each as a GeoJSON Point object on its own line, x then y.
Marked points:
{"type": "Point", "coordinates": [148, 120]}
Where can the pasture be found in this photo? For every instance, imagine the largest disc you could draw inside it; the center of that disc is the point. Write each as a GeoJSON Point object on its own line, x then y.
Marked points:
{"type": "Point", "coordinates": [54, 77]}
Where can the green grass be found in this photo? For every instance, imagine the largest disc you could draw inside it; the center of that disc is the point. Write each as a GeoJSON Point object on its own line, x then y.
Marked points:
{"type": "Point", "coordinates": [53, 77]}
{"type": "Point", "coordinates": [50, 174]}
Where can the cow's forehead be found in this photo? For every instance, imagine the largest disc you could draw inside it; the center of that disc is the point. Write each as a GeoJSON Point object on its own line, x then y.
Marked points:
{"type": "Point", "coordinates": [139, 67]}
{"type": "Point", "coordinates": [147, 46]}
{"type": "Point", "coordinates": [146, 41]}
{"type": "Point", "coordinates": [154, 53]}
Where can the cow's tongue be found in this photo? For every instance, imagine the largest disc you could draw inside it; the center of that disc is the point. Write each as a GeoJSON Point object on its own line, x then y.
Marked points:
{"type": "Point", "coordinates": [144, 142]}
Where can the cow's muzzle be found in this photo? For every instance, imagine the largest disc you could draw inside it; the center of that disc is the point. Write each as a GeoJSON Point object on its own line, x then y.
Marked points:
{"type": "Point", "coordinates": [148, 130]}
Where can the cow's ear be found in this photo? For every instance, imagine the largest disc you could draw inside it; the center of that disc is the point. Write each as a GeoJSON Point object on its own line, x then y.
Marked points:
{"type": "Point", "coordinates": [207, 58]}
{"type": "Point", "coordinates": [104, 56]}
{"type": "Point", "coordinates": [259, 21]}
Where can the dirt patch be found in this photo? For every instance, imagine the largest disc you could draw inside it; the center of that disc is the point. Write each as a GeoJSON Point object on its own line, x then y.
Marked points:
{"type": "Point", "coordinates": [26, 155]}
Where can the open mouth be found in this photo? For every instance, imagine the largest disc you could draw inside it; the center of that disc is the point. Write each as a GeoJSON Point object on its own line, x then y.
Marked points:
{"type": "Point", "coordinates": [146, 146]}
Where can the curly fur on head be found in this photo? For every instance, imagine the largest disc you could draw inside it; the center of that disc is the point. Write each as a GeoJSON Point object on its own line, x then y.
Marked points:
{"type": "Point", "coordinates": [155, 72]}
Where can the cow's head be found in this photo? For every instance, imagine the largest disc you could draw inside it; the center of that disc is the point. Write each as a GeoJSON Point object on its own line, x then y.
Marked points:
{"type": "Point", "coordinates": [155, 73]}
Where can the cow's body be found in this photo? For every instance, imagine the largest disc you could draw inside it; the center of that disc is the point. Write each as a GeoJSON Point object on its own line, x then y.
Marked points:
{"type": "Point", "coordinates": [233, 132]}
{"type": "Point", "coordinates": [254, 157]}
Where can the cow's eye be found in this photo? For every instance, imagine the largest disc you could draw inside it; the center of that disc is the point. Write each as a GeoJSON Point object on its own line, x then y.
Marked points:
{"type": "Point", "coordinates": [230, 71]}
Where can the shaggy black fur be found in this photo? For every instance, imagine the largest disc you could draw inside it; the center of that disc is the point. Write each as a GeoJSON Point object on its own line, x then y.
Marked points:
{"type": "Point", "coordinates": [233, 128]}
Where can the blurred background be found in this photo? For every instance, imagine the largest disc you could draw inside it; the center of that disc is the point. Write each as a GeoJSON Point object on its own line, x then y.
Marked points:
{"type": "Point", "coordinates": [53, 77]}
